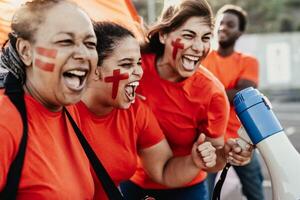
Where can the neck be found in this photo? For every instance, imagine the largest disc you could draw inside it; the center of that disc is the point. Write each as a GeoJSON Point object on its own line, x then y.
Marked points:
{"type": "Point", "coordinates": [94, 105]}
{"type": "Point", "coordinates": [30, 89]}
{"type": "Point", "coordinates": [166, 71]}
{"type": "Point", "coordinates": [224, 52]}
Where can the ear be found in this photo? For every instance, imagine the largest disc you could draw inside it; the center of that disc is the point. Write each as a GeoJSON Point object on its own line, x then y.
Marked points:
{"type": "Point", "coordinates": [162, 37]}
{"type": "Point", "coordinates": [98, 74]}
{"type": "Point", "coordinates": [24, 49]}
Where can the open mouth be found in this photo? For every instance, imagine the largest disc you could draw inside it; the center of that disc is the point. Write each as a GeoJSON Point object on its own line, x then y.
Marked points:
{"type": "Point", "coordinates": [75, 79]}
{"type": "Point", "coordinates": [130, 90]}
{"type": "Point", "coordinates": [189, 62]}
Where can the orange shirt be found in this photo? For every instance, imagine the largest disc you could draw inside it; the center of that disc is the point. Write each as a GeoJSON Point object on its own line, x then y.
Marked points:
{"type": "Point", "coordinates": [117, 137]}
{"type": "Point", "coordinates": [183, 110]}
{"type": "Point", "coordinates": [229, 70]}
{"type": "Point", "coordinates": [55, 165]}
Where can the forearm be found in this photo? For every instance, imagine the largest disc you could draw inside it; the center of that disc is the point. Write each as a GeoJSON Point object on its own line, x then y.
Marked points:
{"type": "Point", "coordinates": [179, 171]}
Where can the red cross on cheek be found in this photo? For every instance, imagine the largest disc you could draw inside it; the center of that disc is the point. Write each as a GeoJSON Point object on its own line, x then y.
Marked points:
{"type": "Point", "coordinates": [47, 53]}
{"type": "Point", "coordinates": [115, 79]}
{"type": "Point", "coordinates": [177, 45]}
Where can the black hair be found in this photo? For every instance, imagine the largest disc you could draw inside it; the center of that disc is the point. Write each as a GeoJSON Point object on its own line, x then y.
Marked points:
{"type": "Point", "coordinates": [108, 35]}
{"type": "Point", "coordinates": [237, 11]}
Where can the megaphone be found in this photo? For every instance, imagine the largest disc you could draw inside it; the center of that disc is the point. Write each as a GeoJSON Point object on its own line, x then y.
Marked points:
{"type": "Point", "coordinates": [264, 130]}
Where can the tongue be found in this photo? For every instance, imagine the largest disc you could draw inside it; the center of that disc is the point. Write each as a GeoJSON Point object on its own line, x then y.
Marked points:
{"type": "Point", "coordinates": [188, 64]}
{"type": "Point", "coordinates": [72, 82]}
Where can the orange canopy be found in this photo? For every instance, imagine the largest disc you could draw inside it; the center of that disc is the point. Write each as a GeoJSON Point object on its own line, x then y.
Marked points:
{"type": "Point", "coordinates": [119, 11]}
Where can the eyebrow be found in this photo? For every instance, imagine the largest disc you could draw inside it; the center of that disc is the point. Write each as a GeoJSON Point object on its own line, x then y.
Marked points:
{"type": "Point", "coordinates": [72, 34]}
{"type": "Point", "coordinates": [126, 59]}
{"type": "Point", "coordinates": [190, 31]}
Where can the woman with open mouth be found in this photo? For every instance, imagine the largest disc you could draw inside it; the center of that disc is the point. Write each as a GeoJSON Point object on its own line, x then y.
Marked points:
{"type": "Point", "coordinates": [120, 127]}
{"type": "Point", "coordinates": [49, 60]}
{"type": "Point", "coordinates": [186, 99]}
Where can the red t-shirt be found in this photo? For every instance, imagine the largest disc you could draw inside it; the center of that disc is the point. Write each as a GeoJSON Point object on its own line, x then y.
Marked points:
{"type": "Point", "coordinates": [117, 137]}
{"type": "Point", "coordinates": [183, 110]}
{"type": "Point", "coordinates": [229, 70]}
{"type": "Point", "coordinates": [55, 165]}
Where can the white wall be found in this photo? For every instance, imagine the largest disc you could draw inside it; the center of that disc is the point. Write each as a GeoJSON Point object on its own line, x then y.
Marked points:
{"type": "Point", "coordinates": [279, 58]}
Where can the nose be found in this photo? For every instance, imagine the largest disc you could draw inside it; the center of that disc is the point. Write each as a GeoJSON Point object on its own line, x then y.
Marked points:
{"type": "Point", "coordinates": [138, 71]}
{"type": "Point", "coordinates": [198, 46]}
{"type": "Point", "coordinates": [81, 52]}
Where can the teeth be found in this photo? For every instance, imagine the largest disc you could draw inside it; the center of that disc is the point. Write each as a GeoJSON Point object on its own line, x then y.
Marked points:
{"type": "Point", "coordinates": [135, 84]}
{"type": "Point", "coordinates": [193, 58]}
{"type": "Point", "coordinates": [130, 89]}
{"type": "Point", "coordinates": [77, 72]}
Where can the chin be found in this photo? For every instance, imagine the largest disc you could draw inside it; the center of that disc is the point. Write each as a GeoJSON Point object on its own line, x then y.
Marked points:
{"type": "Point", "coordinates": [71, 99]}
{"type": "Point", "coordinates": [187, 74]}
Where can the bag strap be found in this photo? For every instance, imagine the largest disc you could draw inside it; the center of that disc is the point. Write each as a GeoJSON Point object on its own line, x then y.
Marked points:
{"type": "Point", "coordinates": [15, 92]}
{"type": "Point", "coordinates": [219, 185]}
{"type": "Point", "coordinates": [110, 188]}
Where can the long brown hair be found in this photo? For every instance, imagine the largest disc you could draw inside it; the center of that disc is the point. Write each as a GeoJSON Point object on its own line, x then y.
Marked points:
{"type": "Point", "coordinates": [172, 18]}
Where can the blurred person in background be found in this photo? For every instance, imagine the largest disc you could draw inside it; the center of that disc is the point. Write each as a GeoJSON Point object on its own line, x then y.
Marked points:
{"type": "Point", "coordinates": [236, 71]}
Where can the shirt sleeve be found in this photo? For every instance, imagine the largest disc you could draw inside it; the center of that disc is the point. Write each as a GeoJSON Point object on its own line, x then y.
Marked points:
{"type": "Point", "coordinates": [250, 69]}
{"type": "Point", "coordinates": [149, 131]}
{"type": "Point", "coordinates": [217, 115]}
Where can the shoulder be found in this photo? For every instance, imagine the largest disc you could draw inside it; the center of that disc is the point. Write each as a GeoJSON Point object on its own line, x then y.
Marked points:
{"type": "Point", "coordinates": [140, 107]}
{"type": "Point", "coordinates": [205, 78]}
{"type": "Point", "coordinates": [247, 57]}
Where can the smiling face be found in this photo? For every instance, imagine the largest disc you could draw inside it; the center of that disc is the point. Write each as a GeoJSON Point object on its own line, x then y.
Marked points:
{"type": "Point", "coordinates": [186, 46]}
{"type": "Point", "coordinates": [120, 73]}
{"type": "Point", "coordinates": [228, 29]}
{"type": "Point", "coordinates": [62, 55]}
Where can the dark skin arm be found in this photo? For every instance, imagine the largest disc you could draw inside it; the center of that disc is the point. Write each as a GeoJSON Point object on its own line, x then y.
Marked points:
{"type": "Point", "coordinates": [241, 84]}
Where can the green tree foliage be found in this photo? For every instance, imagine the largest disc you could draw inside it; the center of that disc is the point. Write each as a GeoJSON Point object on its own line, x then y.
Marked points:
{"type": "Point", "coordinates": [263, 15]}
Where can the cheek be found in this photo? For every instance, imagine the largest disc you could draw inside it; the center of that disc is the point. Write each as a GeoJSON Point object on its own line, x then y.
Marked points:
{"type": "Point", "coordinates": [176, 46]}
{"type": "Point", "coordinates": [115, 79]}
{"type": "Point", "coordinates": [206, 49]}
{"type": "Point", "coordinates": [45, 58]}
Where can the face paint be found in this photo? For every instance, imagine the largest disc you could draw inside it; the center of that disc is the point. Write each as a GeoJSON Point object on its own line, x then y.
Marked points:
{"type": "Point", "coordinates": [50, 53]}
{"type": "Point", "coordinates": [115, 79]}
{"type": "Point", "coordinates": [44, 65]}
{"type": "Point", "coordinates": [177, 45]}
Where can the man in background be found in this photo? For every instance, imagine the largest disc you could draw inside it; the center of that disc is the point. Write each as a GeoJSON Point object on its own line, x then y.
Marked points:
{"type": "Point", "coordinates": [236, 71]}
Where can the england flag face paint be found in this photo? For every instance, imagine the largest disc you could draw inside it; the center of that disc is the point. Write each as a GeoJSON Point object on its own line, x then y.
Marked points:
{"type": "Point", "coordinates": [45, 58]}
{"type": "Point", "coordinates": [186, 47]}
{"type": "Point", "coordinates": [115, 80]}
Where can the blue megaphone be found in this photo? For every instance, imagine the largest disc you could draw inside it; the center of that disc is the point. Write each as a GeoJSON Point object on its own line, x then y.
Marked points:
{"type": "Point", "coordinates": [264, 130]}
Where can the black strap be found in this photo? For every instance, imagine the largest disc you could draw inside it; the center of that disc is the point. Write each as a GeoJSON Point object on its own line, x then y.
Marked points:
{"type": "Point", "coordinates": [219, 185]}
{"type": "Point", "coordinates": [14, 90]}
{"type": "Point", "coordinates": [110, 188]}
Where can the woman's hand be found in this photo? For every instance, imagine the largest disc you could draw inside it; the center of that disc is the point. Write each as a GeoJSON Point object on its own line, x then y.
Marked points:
{"type": "Point", "coordinates": [203, 153]}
